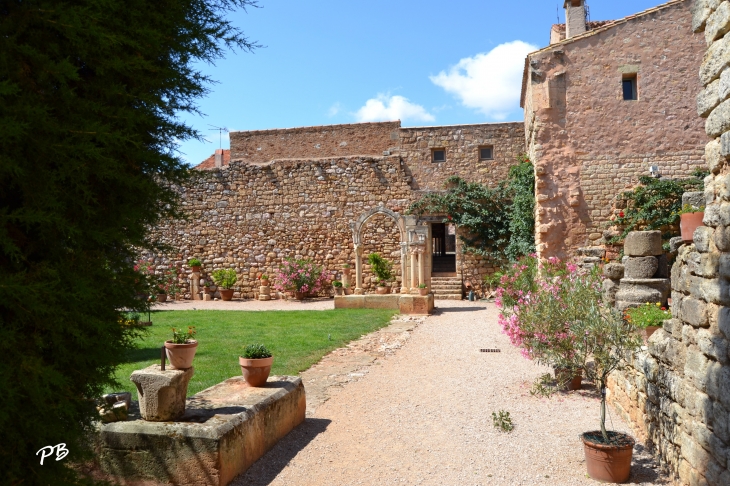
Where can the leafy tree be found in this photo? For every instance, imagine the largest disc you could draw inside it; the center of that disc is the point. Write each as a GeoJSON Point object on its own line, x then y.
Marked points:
{"type": "Point", "coordinates": [498, 222]}
{"type": "Point", "coordinates": [89, 93]}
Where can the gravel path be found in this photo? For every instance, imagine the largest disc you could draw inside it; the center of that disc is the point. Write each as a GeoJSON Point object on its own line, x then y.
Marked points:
{"type": "Point", "coordinates": [422, 415]}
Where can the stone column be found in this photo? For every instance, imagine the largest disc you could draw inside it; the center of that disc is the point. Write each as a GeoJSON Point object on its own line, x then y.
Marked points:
{"type": "Point", "coordinates": [414, 275]}
{"type": "Point", "coordinates": [358, 270]}
{"type": "Point", "coordinates": [195, 285]}
{"type": "Point", "coordinates": [421, 267]}
{"type": "Point", "coordinates": [405, 284]}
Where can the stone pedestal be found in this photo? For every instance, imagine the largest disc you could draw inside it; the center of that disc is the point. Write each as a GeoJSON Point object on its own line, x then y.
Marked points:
{"type": "Point", "coordinates": [207, 296]}
{"type": "Point", "coordinates": [195, 285]}
{"type": "Point", "coordinates": [645, 272]}
{"type": "Point", "coordinates": [264, 292]}
{"type": "Point", "coordinates": [161, 393]}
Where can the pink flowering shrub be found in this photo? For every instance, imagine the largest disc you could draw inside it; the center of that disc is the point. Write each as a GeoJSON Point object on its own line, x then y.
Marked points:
{"type": "Point", "coordinates": [543, 307]}
{"type": "Point", "coordinates": [301, 275]}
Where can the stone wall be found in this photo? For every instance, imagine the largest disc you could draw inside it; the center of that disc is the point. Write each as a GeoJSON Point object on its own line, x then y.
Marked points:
{"type": "Point", "coordinates": [677, 391]}
{"type": "Point", "coordinates": [586, 141]}
{"type": "Point", "coordinates": [262, 146]}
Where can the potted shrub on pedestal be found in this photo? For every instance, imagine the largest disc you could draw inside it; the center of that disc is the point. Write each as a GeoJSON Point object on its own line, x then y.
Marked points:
{"type": "Point", "coordinates": [264, 280]}
{"type": "Point", "coordinates": [422, 289]}
{"type": "Point", "coordinates": [383, 270]}
{"type": "Point", "coordinates": [256, 363]}
{"type": "Point", "coordinates": [647, 318]}
{"type": "Point", "coordinates": [690, 218]}
{"type": "Point", "coordinates": [181, 348]}
{"type": "Point", "coordinates": [195, 264]}
{"type": "Point", "coordinates": [225, 280]}
{"type": "Point", "coordinates": [337, 287]}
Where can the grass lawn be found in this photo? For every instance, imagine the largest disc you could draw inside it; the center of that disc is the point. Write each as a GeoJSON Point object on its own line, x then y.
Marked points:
{"type": "Point", "coordinates": [297, 339]}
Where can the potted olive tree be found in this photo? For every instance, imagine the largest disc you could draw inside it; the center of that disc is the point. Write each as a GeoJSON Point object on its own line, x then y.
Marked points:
{"type": "Point", "coordinates": [256, 363]}
{"type": "Point", "coordinates": [181, 348]}
{"type": "Point", "coordinates": [383, 270]}
{"type": "Point", "coordinates": [225, 280]}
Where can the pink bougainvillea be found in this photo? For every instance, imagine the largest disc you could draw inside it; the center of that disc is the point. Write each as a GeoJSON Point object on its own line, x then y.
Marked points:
{"type": "Point", "coordinates": [301, 275]}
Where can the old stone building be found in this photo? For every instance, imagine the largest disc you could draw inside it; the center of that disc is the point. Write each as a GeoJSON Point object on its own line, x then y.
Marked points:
{"type": "Point", "coordinates": [603, 103]}
{"type": "Point", "coordinates": [295, 192]}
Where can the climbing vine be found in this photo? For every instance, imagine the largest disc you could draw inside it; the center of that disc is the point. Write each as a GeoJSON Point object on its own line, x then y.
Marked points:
{"type": "Point", "coordinates": [496, 222]}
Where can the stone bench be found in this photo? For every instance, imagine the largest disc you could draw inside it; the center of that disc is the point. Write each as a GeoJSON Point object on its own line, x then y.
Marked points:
{"type": "Point", "coordinates": [224, 430]}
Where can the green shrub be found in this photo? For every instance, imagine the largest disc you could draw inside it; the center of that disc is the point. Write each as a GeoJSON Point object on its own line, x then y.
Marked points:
{"type": "Point", "coordinates": [382, 268]}
{"type": "Point", "coordinates": [647, 315]}
{"type": "Point", "coordinates": [194, 262]}
{"type": "Point", "coordinates": [225, 278]}
{"type": "Point", "coordinates": [336, 283]}
{"type": "Point", "coordinates": [256, 351]}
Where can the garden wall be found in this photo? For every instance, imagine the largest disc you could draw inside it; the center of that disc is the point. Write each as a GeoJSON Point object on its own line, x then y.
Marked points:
{"type": "Point", "coordinates": [677, 392]}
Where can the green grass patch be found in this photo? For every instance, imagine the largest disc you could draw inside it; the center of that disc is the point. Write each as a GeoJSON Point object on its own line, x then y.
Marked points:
{"type": "Point", "coordinates": [297, 339]}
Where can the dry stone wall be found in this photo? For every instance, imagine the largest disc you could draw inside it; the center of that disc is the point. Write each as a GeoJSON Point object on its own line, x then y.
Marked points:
{"type": "Point", "coordinates": [677, 391]}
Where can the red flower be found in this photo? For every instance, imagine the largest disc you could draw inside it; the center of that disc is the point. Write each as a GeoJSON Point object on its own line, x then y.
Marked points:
{"type": "Point", "coordinates": [621, 214]}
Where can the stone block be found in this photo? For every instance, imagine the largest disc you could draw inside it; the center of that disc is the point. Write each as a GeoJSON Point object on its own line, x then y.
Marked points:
{"type": "Point", "coordinates": [718, 23]}
{"type": "Point", "coordinates": [642, 290]}
{"type": "Point", "coordinates": [702, 237]}
{"type": "Point", "coordinates": [722, 189]}
{"type": "Point", "coordinates": [694, 453]}
{"type": "Point", "coordinates": [225, 429]}
{"type": "Point", "coordinates": [694, 312]}
{"type": "Point", "coordinates": [724, 86]}
{"type": "Point", "coordinates": [713, 346]}
{"type": "Point", "coordinates": [662, 267]}
{"type": "Point", "coordinates": [721, 422]}
{"type": "Point", "coordinates": [715, 291]}
{"type": "Point", "coordinates": [723, 321]}
{"type": "Point", "coordinates": [643, 243]}
{"type": "Point", "coordinates": [161, 393]}
{"type": "Point", "coordinates": [613, 271]}
{"type": "Point", "coordinates": [641, 267]}
{"type": "Point", "coordinates": [725, 137]}
{"type": "Point", "coordinates": [675, 243]}
{"type": "Point", "coordinates": [708, 99]}
{"type": "Point", "coordinates": [724, 387]}
{"type": "Point", "coordinates": [610, 287]}
{"type": "Point", "coordinates": [718, 121]}
{"type": "Point", "coordinates": [701, 11]}
{"type": "Point", "coordinates": [715, 60]}
{"type": "Point", "coordinates": [724, 265]}
{"type": "Point", "coordinates": [349, 302]}
{"type": "Point", "coordinates": [696, 199]}
{"type": "Point", "coordinates": [697, 369]}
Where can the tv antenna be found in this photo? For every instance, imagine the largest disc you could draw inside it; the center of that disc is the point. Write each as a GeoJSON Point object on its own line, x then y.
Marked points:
{"type": "Point", "coordinates": [220, 130]}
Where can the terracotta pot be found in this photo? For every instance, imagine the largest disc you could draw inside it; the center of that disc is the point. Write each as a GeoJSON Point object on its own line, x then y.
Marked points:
{"type": "Point", "coordinates": [648, 331]}
{"type": "Point", "coordinates": [180, 356]}
{"type": "Point", "coordinates": [300, 295]}
{"type": "Point", "coordinates": [195, 269]}
{"type": "Point", "coordinates": [206, 289]}
{"type": "Point", "coordinates": [264, 282]}
{"type": "Point", "coordinates": [346, 271]}
{"type": "Point", "coordinates": [575, 383]}
{"type": "Point", "coordinates": [688, 223]}
{"type": "Point", "coordinates": [423, 291]}
{"type": "Point", "coordinates": [608, 462]}
{"type": "Point", "coordinates": [226, 294]}
{"type": "Point", "coordinates": [255, 371]}
{"type": "Point", "coordinates": [347, 291]}
{"type": "Point", "coordinates": [381, 290]}
{"type": "Point", "coordinates": [338, 290]}
{"type": "Point", "coordinates": [161, 297]}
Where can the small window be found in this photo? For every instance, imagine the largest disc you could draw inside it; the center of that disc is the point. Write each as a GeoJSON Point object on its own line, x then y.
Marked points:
{"type": "Point", "coordinates": [438, 155]}
{"type": "Point", "coordinates": [486, 153]}
{"type": "Point", "coordinates": [629, 87]}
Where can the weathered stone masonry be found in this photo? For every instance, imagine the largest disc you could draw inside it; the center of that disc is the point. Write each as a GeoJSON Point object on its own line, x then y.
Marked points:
{"type": "Point", "coordinates": [677, 392]}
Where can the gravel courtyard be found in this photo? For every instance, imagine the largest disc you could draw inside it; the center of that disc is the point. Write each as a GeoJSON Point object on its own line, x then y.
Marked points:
{"type": "Point", "coordinates": [421, 413]}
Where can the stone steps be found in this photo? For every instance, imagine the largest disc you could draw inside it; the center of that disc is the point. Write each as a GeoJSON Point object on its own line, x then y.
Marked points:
{"type": "Point", "coordinates": [446, 288]}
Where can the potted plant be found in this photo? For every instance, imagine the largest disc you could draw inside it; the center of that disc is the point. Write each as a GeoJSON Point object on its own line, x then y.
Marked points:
{"type": "Point", "coordinates": [167, 285]}
{"type": "Point", "coordinates": [256, 363]}
{"type": "Point", "coordinates": [206, 286]}
{"type": "Point", "coordinates": [422, 289]}
{"type": "Point", "coordinates": [383, 270]}
{"type": "Point", "coordinates": [337, 287]}
{"type": "Point", "coordinates": [225, 279]}
{"type": "Point", "coordinates": [690, 218]}
{"type": "Point", "coordinates": [647, 317]}
{"type": "Point", "coordinates": [195, 264]}
{"type": "Point", "coordinates": [264, 280]}
{"type": "Point", "coordinates": [346, 269]}
{"type": "Point", "coordinates": [608, 340]}
{"type": "Point", "coordinates": [300, 276]}
{"type": "Point", "coordinates": [346, 289]}
{"type": "Point", "coordinates": [181, 348]}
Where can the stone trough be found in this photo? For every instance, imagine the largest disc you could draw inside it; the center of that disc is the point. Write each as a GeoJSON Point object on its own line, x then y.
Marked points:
{"type": "Point", "coordinates": [407, 304]}
{"type": "Point", "coordinates": [224, 430]}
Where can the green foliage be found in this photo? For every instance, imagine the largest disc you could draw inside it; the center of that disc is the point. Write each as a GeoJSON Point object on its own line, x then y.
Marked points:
{"type": "Point", "coordinates": [647, 315]}
{"type": "Point", "coordinates": [502, 421]}
{"type": "Point", "coordinates": [653, 205]}
{"type": "Point", "coordinates": [256, 351]}
{"type": "Point", "coordinates": [336, 283]}
{"type": "Point", "coordinates": [422, 286]}
{"type": "Point", "coordinates": [495, 222]}
{"type": "Point", "coordinates": [382, 268]}
{"type": "Point", "coordinates": [183, 337]}
{"type": "Point", "coordinates": [194, 262]}
{"type": "Point", "coordinates": [90, 91]}
{"type": "Point", "coordinates": [225, 278]}
{"type": "Point", "coordinates": [688, 209]}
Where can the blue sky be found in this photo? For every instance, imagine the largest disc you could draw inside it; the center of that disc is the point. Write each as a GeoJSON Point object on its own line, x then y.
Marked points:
{"type": "Point", "coordinates": [425, 62]}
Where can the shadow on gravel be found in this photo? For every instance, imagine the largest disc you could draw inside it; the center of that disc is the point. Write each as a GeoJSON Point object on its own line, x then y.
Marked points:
{"type": "Point", "coordinates": [645, 468]}
{"type": "Point", "coordinates": [442, 310]}
{"type": "Point", "coordinates": [266, 469]}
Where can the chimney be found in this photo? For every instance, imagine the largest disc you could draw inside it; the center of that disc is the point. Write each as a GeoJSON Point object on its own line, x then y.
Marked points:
{"type": "Point", "coordinates": [219, 158]}
{"type": "Point", "coordinates": [575, 18]}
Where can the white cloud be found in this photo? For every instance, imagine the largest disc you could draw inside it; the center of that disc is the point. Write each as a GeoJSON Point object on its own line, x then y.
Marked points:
{"type": "Point", "coordinates": [334, 109]}
{"type": "Point", "coordinates": [488, 82]}
{"type": "Point", "coordinates": [385, 108]}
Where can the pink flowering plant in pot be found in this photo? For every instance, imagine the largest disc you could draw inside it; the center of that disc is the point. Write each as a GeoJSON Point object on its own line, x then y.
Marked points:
{"type": "Point", "coordinates": [301, 276]}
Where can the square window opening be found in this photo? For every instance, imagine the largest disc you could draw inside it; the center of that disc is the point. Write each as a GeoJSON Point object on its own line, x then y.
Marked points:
{"type": "Point", "coordinates": [629, 87]}
{"type": "Point", "coordinates": [438, 155]}
{"type": "Point", "coordinates": [486, 153]}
